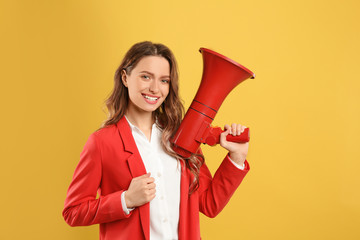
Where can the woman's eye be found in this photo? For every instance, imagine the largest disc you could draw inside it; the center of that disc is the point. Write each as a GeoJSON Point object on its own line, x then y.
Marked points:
{"type": "Point", "coordinates": [165, 81]}
{"type": "Point", "coordinates": [145, 76]}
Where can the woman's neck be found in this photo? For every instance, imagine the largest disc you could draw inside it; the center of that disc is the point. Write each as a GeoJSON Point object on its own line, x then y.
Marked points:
{"type": "Point", "coordinates": [142, 120]}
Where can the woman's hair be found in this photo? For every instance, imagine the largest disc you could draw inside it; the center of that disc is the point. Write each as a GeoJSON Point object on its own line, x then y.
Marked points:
{"type": "Point", "coordinates": [168, 115]}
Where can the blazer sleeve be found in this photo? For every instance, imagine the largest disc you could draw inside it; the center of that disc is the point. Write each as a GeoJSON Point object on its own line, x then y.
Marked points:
{"type": "Point", "coordinates": [215, 193]}
{"type": "Point", "coordinates": [82, 208]}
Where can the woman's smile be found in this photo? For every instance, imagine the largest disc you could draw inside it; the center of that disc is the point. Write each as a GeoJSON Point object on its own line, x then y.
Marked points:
{"type": "Point", "coordinates": [150, 98]}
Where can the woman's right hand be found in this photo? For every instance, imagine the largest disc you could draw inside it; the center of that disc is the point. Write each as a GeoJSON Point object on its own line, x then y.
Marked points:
{"type": "Point", "coordinates": [141, 190]}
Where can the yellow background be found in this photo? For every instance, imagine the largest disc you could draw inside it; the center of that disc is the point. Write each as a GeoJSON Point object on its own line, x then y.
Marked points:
{"type": "Point", "coordinates": [58, 59]}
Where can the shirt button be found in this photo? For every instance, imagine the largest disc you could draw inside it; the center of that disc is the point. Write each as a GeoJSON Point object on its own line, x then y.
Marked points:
{"type": "Point", "coordinates": [165, 220]}
{"type": "Point", "coordinates": [162, 197]}
{"type": "Point", "coordinates": [159, 174]}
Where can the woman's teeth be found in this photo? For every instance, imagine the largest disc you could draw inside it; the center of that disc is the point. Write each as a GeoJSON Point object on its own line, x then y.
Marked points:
{"type": "Point", "coordinates": [151, 98]}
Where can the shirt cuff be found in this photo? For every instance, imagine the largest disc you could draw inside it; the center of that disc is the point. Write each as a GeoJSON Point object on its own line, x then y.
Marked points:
{"type": "Point", "coordinates": [241, 167]}
{"type": "Point", "coordinates": [123, 204]}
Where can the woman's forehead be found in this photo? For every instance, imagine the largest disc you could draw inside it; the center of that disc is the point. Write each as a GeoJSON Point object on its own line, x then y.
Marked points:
{"type": "Point", "coordinates": [153, 64]}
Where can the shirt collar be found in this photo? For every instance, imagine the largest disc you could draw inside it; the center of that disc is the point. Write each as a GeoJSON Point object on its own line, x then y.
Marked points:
{"type": "Point", "coordinates": [134, 128]}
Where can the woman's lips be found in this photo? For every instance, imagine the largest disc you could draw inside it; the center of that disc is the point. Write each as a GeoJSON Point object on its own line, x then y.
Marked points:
{"type": "Point", "coordinates": [150, 98]}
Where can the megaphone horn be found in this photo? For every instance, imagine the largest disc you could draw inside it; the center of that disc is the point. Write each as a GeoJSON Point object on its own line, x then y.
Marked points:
{"type": "Point", "coordinates": [220, 76]}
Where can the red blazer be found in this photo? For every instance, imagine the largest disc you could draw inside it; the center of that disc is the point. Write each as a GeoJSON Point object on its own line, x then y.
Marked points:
{"type": "Point", "coordinates": [108, 162]}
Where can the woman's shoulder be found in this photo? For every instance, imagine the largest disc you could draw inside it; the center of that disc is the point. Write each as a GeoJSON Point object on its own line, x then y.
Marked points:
{"type": "Point", "coordinates": [112, 131]}
{"type": "Point", "coordinates": [105, 132]}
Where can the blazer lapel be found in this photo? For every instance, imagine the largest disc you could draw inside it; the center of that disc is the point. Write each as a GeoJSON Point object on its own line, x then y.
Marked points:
{"type": "Point", "coordinates": [137, 168]}
{"type": "Point", "coordinates": [136, 165]}
{"type": "Point", "coordinates": [184, 197]}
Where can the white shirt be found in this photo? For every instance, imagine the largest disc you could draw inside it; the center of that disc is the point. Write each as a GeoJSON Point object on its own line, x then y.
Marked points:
{"type": "Point", "coordinates": [164, 208]}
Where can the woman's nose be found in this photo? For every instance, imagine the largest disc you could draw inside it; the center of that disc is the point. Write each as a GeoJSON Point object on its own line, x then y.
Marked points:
{"type": "Point", "coordinates": [154, 86]}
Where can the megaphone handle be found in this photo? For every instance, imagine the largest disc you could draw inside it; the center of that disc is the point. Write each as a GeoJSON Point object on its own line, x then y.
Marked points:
{"type": "Point", "coordinates": [212, 136]}
{"type": "Point", "coordinates": [242, 138]}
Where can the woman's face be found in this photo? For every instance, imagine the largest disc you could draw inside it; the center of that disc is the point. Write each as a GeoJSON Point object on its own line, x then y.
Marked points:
{"type": "Point", "coordinates": [148, 83]}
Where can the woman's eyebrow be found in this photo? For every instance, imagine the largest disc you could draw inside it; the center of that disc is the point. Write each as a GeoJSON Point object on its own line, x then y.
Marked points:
{"type": "Point", "coordinates": [147, 73]}
{"type": "Point", "coordinates": [150, 73]}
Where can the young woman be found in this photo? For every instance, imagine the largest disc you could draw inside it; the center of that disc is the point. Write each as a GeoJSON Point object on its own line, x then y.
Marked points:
{"type": "Point", "coordinates": [145, 190]}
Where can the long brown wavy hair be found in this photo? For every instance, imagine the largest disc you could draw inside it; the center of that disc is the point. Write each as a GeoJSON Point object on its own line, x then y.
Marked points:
{"type": "Point", "coordinates": [168, 115]}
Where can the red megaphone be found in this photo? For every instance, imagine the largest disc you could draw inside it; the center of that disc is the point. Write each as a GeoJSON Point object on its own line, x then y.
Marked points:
{"type": "Point", "coordinates": [220, 76]}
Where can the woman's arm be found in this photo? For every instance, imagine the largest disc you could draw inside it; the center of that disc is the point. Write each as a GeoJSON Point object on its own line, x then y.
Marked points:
{"type": "Point", "coordinates": [82, 208]}
{"type": "Point", "coordinates": [214, 193]}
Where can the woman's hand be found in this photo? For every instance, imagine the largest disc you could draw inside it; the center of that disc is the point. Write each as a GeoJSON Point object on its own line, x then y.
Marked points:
{"type": "Point", "coordinates": [141, 191]}
{"type": "Point", "coordinates": [237, 151]}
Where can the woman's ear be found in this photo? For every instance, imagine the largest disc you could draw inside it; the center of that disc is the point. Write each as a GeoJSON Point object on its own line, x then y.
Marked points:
{"type": "Point", "coordinates": [124, 77]}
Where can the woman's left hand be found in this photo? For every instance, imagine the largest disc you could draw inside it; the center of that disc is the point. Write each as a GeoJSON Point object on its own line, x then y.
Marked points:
{"type": "Point", "coordinates": [237, 151]}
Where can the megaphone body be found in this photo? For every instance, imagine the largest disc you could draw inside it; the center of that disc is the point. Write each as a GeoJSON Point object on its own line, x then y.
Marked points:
{"type": "Point", "coordinates": [220, 76]}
